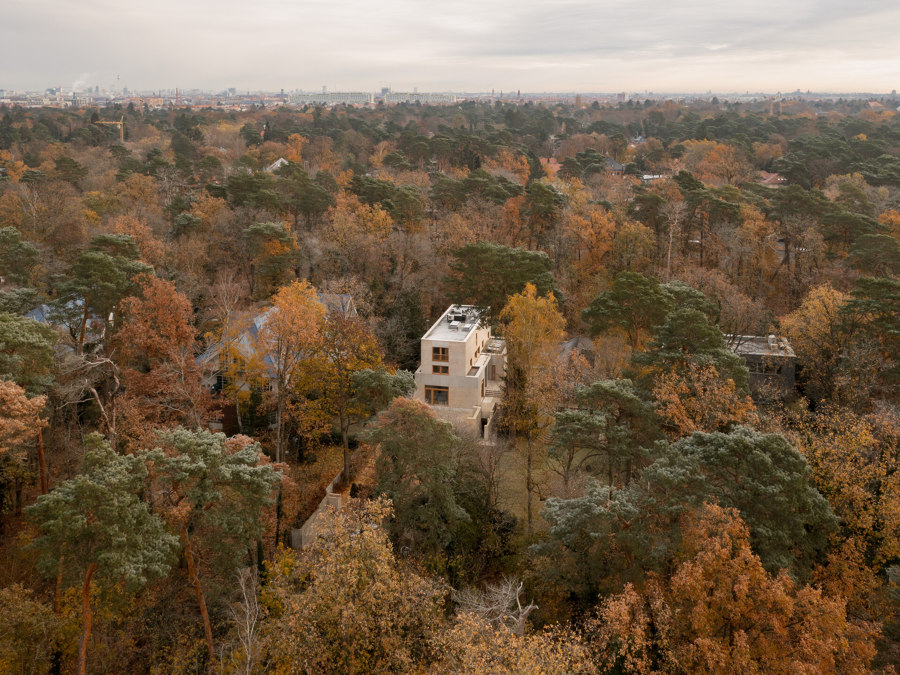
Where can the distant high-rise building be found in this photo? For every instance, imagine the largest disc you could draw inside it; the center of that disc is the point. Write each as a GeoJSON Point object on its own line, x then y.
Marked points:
{"type": "Point", "coordinates": [334, 98]}
{"type": "Point", "coordinates": [418, 97]}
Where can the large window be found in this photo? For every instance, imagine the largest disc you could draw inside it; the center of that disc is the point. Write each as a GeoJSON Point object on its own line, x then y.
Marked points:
{"type": "Point", "coordinates": [440, 370]}
{"type": "Point", "coordinates": [440, 353]}
{"type": "Point", "coordinates": [437, 395]}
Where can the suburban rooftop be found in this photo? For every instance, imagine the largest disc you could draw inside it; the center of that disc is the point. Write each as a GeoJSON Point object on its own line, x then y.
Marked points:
{"type": "Point", "coordinates": [761, 345]}
{"type": "Point", "coordinates": [455, 324]}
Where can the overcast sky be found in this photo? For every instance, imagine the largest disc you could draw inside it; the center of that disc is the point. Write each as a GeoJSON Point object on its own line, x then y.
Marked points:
{"type": "Point", "coordinates": [456, 45]}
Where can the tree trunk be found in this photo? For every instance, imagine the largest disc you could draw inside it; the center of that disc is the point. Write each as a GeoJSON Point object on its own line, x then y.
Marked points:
{"type": "Point", "coordinates": [57, 592]}
{"type": "Point", "coordinates": [198, 591]}
{"type": "Point", "coordinates": [86, 616]}
{"type": "Point", "coordinates": [279, 431]}
{"type": "Point", "coordinates": [345, 440]}
{"type": "Point", "coordinates": [528, 484]}
{"type": "Point", "coordinates": [42, 465]}
{"type": "Point", "coordinates": [83, 328]}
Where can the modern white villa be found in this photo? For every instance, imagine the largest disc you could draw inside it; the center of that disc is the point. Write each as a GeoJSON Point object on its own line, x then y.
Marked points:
{"type": "Point", "coordinates": [462, 371]}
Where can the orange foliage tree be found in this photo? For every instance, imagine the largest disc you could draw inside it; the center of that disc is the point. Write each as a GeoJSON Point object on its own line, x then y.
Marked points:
{"type": "Point", "coordinates": [700, 400]}
{"type": "Point", "coordinates": [155, 349]}
{"type": "Point", "coordinates": [721, 612]}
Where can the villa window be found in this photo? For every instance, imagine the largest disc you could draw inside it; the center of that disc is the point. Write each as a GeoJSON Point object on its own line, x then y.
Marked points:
{"type": "Point", "coordinates": [440, 353]}
{"type": "Point", "coordinates": [440, 370]}
{"type": "Point", "coordinates": [437, 395]}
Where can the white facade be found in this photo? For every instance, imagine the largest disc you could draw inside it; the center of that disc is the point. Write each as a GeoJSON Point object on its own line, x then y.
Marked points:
{"type": "Point", "coordinates": [461, 371]}
{"type": "Point", "coordinates": [417, 97]}
{"type": "Point", "coordinates": [334, 98]}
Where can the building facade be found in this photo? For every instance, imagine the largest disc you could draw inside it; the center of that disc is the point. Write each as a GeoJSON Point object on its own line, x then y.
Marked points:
{"type": "Point", "coordinates": [770, 360]}
{"type": "Point", "coordinates": [461, 371]}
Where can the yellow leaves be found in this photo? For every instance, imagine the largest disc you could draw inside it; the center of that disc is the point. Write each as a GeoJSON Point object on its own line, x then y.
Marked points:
{"type": "Point", "coordinates": [472, 645]}
{"type": "Point", "coordinates": [139, 190]}
{"type": "Point", "coordinates": [295, 143]}
{"type": "Point", "coordinates": [209, 209]}
{"type": "Point", "coordinates": [346, 604]}
{"type": "Point", "coordinates": [814, 327]}
{"type": "Point", "coordinates": [514, 164]}
{"type": "Point", "coordinates": [381, 150]}
{"type": "Point", "coordinates": [533, 327]}
{"type": "Point", "coordinates": [857, 468]}
{"type": "Point", "coordinates": [15, 169]}
{"type": "Point", "coordinates": [592, 229]}
{"type": "Point", "coordinates": [11, 210]}
{"type": "Point", "coordinates": [351, 219]}
{"type": "Point", "coordinates": [716, 163]}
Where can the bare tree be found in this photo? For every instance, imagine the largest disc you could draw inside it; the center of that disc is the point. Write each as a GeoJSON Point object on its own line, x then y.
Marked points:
{"type": "Point", "coordinates": [674, 211]}
{"type": "Point", "coordinates": [500, 604]}
{"type": "Point", "coordinates": [245, 615]}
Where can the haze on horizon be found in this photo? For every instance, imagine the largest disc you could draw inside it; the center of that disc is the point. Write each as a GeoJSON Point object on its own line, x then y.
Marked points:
{"type": "Point", "coordinates": [459, 45]}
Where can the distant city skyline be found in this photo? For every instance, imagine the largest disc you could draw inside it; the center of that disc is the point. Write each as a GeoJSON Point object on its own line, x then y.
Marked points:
{"type": "Point", "coordinates": [460, 45]}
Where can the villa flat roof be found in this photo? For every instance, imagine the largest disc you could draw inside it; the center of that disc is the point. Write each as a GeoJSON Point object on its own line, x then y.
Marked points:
{"type": "Point", "coordinates": [455, 325]}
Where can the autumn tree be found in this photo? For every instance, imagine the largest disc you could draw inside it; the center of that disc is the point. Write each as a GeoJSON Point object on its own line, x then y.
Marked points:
{"type": "Point", "coordinates": [722, 612]}
{"type": "Point", "coordinates": [291, 333]}
{"type": "Point", "coordinates": [213, 495]}
{"type": "Point", "coordinates": [854, 463]}
{"type": "Point", "coordinates": [95, 526]}
{"type": "Point", "coordinates": [533, 329]}
{"type": "Point", "coordinates": [346, 603]}
{"type": "Point", "coordinates": [155, 346]}
{"type": "Point", "coordinates": [471, 644]}
{"type": "Point", "coordinates": [816, 331]}
{"type": "Point", "coordinates": [32, 635]}
{"type": "Point", "coordinates": [20, 424]}
{"type": "Point", "coordinates": [700, 400]}
{"type": "Point", "coordinates": [346, 346]}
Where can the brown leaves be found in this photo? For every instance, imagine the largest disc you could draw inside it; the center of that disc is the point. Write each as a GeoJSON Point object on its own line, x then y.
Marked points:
{"type": "Point", "coordinates": [19, 416]}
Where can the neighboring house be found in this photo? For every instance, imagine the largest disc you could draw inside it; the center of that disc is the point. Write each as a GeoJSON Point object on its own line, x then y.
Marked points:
{"type": "Point", "coordinates": [462, 371]}
{"type": "Point", "coordinates": [244, 343]}
{"type": "Point", "coordinates": [67, 319]}
{"type": "Point", "coordinates": [580, 345]}
{"type": "Point", "coordinates": [771, 179]}
{"type": "Point", "coordinates": [277, 164]}
{"type": "Point", "coordinates": [770, 360]}
{"type": "Point", "coordinates": [614, 168]}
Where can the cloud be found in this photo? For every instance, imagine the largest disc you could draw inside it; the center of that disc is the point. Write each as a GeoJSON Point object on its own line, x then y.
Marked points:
{"type": "Point", "coordinates": [567, 45]}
